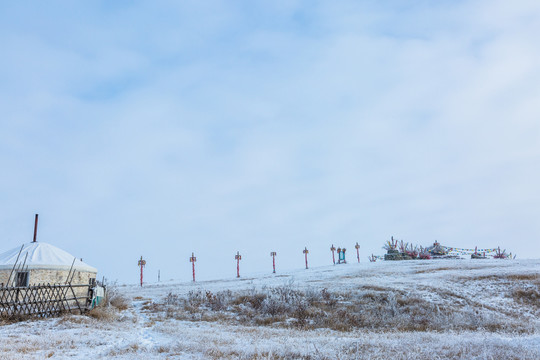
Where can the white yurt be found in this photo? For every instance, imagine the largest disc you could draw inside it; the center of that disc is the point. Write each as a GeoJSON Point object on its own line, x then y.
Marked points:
{"type": "Point", "coordinates": [41, 263]}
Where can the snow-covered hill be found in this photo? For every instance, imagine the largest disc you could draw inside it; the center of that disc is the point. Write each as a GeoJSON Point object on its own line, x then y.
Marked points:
{"type": "Point", "coordinates": [458, 309]}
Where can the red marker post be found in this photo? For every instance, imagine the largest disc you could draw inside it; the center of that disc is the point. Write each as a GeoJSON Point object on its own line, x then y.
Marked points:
{"type": "Point", "coordinates": [332, 249]}
{"type": "Point", "coordinates": [357, 247]}
{"type": "Point", "coordinates": [306, 251]}
{"type": "Point", "coordinates": [273, 255]}
{"type": "Point", "coordinates": [142, 263]}
{"type": "Point", "coordinates": [192, 260]}
{"type": "Point", "coordinates": [238, 257]}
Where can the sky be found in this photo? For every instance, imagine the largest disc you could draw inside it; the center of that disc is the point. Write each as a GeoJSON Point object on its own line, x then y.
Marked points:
{"type": "Point", "coordinates": [158, 129]}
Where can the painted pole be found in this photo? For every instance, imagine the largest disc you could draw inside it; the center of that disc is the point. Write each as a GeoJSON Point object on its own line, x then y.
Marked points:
{"type": "Point", "coordinates": [142, 263]}
{"type": "Point", "coordinates": [158, 276]}
{"type": "Point", "coordinates": [192, 260]}
{"type": "Point", "coordinates": [357, 247]}
{"type": "Point", "coordinates": [306, 251]}
{"type": "Point", "coordinates": [238, 257]}
{"type": "Point", "coordinates": [339, 255]}
{"type": "Point", "coordinates": [332, 249]}
{"type": "Point", "coordinates": [273, 255]}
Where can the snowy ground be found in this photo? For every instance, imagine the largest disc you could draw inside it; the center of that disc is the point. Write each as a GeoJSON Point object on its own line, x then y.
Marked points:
{"type": "Point", "coordinates": [477, 309]}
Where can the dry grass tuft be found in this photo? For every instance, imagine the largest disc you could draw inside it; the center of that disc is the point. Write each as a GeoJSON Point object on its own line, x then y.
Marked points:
{"type": "Point", "coordinates": [529, 296]}
{"type": "Point", "coordinates": [120, 302]}
{"type": "Point", "coordinates": [482, 278]}
{"type": "Point", "coordinates": [110, 309]}
{"type": "Point", "coordinates": [73, 319]}
{"type": "Point", "coordinates": [133, 348]}
{"type": "Point", "coordinates": [15, 319]}
{"type": "Point", "coordinates": [375, 288]}
{"type": "Point", "coordinates": [115, 298]}
{"type": "Point", "coordinates": [104, 313]}
{"type": "Point", "coordinates": [433, 270]}
{"type": "Point", "coordinates": [503, 278]}
{"type": "Point", "coordinates": [524, 277]}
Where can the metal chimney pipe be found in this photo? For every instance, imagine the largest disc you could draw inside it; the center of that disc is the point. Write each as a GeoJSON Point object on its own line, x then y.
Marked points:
{"type": "Point", "coordinates": [35, 228]}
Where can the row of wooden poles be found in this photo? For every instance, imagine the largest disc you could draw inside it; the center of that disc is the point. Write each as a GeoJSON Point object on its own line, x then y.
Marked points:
{"type": "Point", "coordinates": [273, 254]}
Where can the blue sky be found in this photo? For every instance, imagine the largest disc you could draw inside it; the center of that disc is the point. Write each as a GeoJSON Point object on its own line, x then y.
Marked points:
{"type": "Point", "coordinates": [161, 129]}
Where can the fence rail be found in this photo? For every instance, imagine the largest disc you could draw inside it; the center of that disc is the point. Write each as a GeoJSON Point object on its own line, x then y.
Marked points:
{"type": "Point", "coordinates": [43, 300]}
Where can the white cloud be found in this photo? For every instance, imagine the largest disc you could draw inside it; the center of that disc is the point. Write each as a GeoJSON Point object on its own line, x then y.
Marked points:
{"type": "Point", "coordinates": [218, 129]}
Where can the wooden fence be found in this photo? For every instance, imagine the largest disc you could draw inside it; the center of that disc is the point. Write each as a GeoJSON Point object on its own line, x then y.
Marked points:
{"type": "Point", "coordinates": [43, 300]}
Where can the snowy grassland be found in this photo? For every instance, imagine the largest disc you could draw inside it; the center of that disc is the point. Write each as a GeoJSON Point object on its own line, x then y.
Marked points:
{"type": "Point", "coordinates": [446, 309]}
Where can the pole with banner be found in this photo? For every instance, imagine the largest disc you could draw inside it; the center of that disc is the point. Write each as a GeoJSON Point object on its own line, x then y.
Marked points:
{"type": "Point", "coordinates": [192, 260]}
{"type": "Point", "coordinates": [238, 257]}
{"type": "Point", "coordinates": [142, 263]}
{"type": "Point", "coordinates": [306, 251]}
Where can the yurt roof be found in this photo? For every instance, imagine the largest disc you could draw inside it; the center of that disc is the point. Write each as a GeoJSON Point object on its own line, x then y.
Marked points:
{"type": "Point", "coordinates": [42, 256]}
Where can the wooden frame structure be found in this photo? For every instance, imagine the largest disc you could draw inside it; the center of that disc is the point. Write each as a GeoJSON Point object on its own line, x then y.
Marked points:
{"type": "Point", "coordinates": [43, 300]}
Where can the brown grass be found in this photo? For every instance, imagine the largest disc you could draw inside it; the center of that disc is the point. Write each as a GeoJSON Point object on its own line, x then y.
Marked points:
{"type": "Point", "coordinates": [115, 298]}
{"type": "Point", "coordinates": [120, 302]}
{"type": "Point", "coordinates": [15, 318]}
{"type": "Point", "coordinates": [379, 309]}
{"type": "Point", "coordinates": [375, 288]}
{"type": "Point", "coordinates": [523, 277]}
{"type": "Point", "coordinates": [104, 313]}
{"type": "Point", "coordinates": [133, 348]}
{"type": "Point", "coordinates": [503, 278]}
{"type": "Point", "coordinates": [529, 296]}
{"type": "Point", "coordinates": [73, 319]}
{"type": "Point", "coordinates": [433, 270]}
